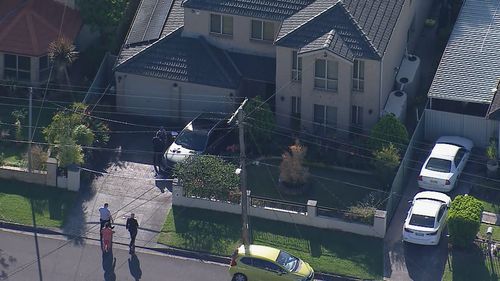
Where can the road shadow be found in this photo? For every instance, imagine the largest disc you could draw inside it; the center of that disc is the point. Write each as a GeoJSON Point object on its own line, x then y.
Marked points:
{"type": "Point", "coordinates": [6, 261]}
{"type": "Point", "coordinates": [426, 262]}
{"type": "Point", "coordinates": [108, 265]}
{"type": "Point", "coordinates": [134, 265]}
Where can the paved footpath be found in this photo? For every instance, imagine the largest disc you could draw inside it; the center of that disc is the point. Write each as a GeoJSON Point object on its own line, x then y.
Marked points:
{"type": "Point", "coordinates": [64, 260]}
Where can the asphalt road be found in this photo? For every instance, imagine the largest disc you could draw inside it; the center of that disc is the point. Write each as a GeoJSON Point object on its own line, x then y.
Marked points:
{"type": "Point", "coordinates": [63, 260]}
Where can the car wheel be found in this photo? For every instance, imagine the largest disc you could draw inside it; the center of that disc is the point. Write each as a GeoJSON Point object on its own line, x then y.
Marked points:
{"type": "Point", "coordinates": [239, 277]}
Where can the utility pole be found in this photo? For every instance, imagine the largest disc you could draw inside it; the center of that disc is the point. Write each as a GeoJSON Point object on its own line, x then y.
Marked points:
{"type": "Point", "coordinates": [29, 129]}
{"type": "Point", "coordinates": [243, 177]}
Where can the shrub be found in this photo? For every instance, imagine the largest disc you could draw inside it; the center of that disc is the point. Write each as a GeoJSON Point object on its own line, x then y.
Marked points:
{"type": "Point", "coordinates": [208, 176]}
{"type": "Point", "coordinates": [292, 170]}
{"type": "Point", "coordinates": [464, 220]}
{"type": "Point", "coordinates": [389, 130]}
{"type": "Point", "coordinates": [38, 158]}
{"type": "Point", "coordinates": [386, 161]}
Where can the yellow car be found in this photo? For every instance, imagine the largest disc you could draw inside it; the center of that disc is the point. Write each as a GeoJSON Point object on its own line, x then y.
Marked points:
{"type": "Point", "coordinates": [264, 263]}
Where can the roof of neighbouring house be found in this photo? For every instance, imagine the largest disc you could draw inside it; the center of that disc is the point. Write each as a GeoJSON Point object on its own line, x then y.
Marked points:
{"type": "Point", "coordinates": [276, 10]}
{"type": "Point", "coordinates": [469, 70]}
{"type": "Point", "coordinates": [494, 109]}
{"type": "Point", "coordinates": [348, 28]}
{"type": "Point", "coordinates": [27, 27]}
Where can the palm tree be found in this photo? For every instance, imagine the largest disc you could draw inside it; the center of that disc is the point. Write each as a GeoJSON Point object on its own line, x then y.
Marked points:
{"type": "Point", "coordinates": [62, 54]}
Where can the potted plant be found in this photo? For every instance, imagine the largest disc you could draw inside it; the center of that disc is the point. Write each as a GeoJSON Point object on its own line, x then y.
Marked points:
{"type": "Point", "coordinates": [293, 174]}
{"type": "Point", "coordinates": [492, 154]}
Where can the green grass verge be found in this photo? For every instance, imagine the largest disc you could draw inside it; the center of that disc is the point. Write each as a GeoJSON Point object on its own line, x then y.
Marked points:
{"type": "Point", "coordinates": [50, 204]}
{"type": "Point", "coordinates": [470, 264]}
{"type": "Point", "coordinates": [331, 188]}
{"type": "Point", "coordinates": [326, 250]}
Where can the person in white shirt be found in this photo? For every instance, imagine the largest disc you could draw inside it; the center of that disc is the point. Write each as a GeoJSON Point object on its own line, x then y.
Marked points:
{"type": "Point", "coordinates": [105, 215]}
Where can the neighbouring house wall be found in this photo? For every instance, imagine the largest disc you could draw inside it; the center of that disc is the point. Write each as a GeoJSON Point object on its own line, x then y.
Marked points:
{"type": "Point", "coordinates": [197, 23]}
{"type": "Point", "coordinates": [155, 97]}
{"type": "Point", "coordinates": [69, 3]}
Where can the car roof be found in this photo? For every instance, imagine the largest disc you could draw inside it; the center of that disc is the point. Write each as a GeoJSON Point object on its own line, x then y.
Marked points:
{"type": "Point", "coordinates": [426, 207]}
{"type": "Point", "coordinates": [445, 151]}
{"type": "Point", "coordinates": [259, 251]}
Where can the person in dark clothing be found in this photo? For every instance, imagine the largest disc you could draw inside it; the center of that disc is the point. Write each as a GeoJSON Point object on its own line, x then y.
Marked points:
{"type": "Point", "coordinates": [159, 148]}
{"type": "Point", "coordinates": [132, 226]}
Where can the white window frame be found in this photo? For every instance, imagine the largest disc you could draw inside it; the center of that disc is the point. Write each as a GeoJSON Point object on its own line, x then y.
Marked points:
{"type": "Point", "coordinates": [261, 31]}
{"type": "Point", "coordinates": [357, 116]}
{"type": "Point", "coordinates": [220, 30]}
{"type": "Point", "coordinates": [326, 80]}
{"type": "Point", "coordinates": [358, 76]}
{"type": "Point", "coordinates": [16, 69]}
{"type": "Point", "coordinates": [296, 105]}
{"type": "Point", "coordinates": [296, 66]}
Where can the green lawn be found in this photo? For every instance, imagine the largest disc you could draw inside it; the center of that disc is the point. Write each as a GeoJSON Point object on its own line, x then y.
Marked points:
{"type": "Point", "coordinates": [49, 203]}
{"type": "Point", "coordinates": [471, 264]}
{"type": "Point", "coordinates": [326, 250]}
{"type": "Point", "coordinates": [331, 188]}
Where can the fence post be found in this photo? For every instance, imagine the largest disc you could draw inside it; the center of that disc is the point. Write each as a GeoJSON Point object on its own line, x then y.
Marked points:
{"type": "Point", "coordinates": [177, 192]}
{"type": "Point", "coordinates": [51, 179]}
{"type": "Point", "coordinates": [312, 209]}
{"type": "Point", "coordinates": [73, 178]}
{"type": "Point", "coordinates": [379, 223]}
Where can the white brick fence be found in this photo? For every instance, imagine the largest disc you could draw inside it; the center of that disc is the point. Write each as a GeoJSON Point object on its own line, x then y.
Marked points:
{"type": "Point", "coordinates": [71, 181]}
{"type": "Point", "coordinates": [298, 214]}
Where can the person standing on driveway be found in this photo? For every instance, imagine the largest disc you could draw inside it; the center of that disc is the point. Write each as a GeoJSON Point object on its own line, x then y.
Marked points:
{"type": "Point", "coordinates": [105, 216]}
{"type": "Point", "coordinates": [107, 237]}
{"type": "Point", "coordinates": [132, 226]}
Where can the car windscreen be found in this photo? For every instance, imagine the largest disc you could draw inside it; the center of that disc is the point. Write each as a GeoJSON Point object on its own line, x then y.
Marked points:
{"type": "Point", "coordinates": [439, 165]}
{"type": "Point", "coordinates": [193, 140]}
{"type": "Point", "coordinates": [423, 221]}
{"type": "Point", "coordinates": [288, 261]}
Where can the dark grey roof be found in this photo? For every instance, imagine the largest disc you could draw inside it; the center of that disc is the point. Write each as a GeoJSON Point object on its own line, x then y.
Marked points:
{"type": "Point", "coordinates": [148, 21]}
{"type": "Point", "coordinates": [184, 59]}
{"type": "Point", "coordinates": [276, 10]}
{"type": "Point", "coordinates": [494, 109]}
{"type": "Point", "coordinates": [174, 20]}
{"type": "Point", "coordinates": [255, 67]}
{"type": "Point", "coordinates": [469, 69]}
{"type": "Point", "coordinates": [349, 28]}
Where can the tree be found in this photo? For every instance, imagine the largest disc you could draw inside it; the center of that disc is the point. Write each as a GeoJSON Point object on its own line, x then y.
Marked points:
{"type": "Point", "coordinates": [102, 15]}
{"type": "Point", "coordinates": [389, 130]}
{"type": "Point", "coordinates": [208, 176]}
{"type": "Point", "coordinates": [464, 220]}
{"type": "Point", "coordinates": [62, 54]}
{"type": "Point", "coordinates": [262, 122]}
{"type": "Point", "coordinates": [69, 152]}
{"type": "Point", "coordinates": [292, 170]}
{"type": "Point", "coordinates": [386, 160]}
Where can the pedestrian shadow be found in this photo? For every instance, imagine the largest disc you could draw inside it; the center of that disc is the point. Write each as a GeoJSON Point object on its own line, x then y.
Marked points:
{"type": "Point", "coordinates": [108, 265]}
{"type": "Point", "coordinates": [134, 266]}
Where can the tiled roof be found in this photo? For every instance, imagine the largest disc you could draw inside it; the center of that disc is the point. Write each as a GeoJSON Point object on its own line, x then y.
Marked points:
{"type": "Point", "coordinates": [494, 109]}
{"type": "Point", "coordinates": [28, 27]}
{"type": "Point", "coordinates": [174, 21]}
{"type": "Point", "coordinates": [349, 28]}
{"type": "Point", "coordinates": [255, 67]}
{"type": "Point", "coordinates": [184, 59]}
{"type": "Point", "coordinates": [469, 69]}
{"type": "Point", "coordinates": [276, 10]}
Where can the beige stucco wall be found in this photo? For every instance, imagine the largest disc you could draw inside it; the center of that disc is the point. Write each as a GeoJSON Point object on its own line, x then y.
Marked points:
{"type": "Point", "coordinates": [342, 99]}
{"type": "Point", "coordinates": [197, 23]}
{"type": "Point", "coordinates": [158, 98]}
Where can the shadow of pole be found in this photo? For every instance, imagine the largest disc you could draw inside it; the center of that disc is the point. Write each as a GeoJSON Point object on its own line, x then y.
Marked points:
{"type": "Point", "coordinates": [36, 241]}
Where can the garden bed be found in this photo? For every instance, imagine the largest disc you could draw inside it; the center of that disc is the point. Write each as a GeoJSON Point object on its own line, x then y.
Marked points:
{"type": "Point", "coordinates": [326, 250]}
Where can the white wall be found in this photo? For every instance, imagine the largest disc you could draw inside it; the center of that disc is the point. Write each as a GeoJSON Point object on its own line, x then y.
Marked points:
{"type": "Point", "coordinates": [156, 97]}
{"type": "Point", "coordinates": [197, 23]}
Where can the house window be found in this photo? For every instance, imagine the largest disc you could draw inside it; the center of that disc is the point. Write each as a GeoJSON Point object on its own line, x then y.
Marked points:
{"type": "Point", "coordinates": [358, 76]}
{"type": "Point", "coordinates": [326, 75]}
{"type": "Point", "coordinates": [221, 24]}
{"type": "Point", "coordinates": [43, 67]}
{"type": "Point", "coordinates": [325, 119]}
{"type": "Point", "coordinates": [296, 106]}
{"type": "Point", "coordinates": [17, 67]}
{"type": "Point", "coordinates": [356, 116]}
{"type": "Point", "coordinates": [296, 67]}
{"type": "Point", "coordinates": [262, 30]}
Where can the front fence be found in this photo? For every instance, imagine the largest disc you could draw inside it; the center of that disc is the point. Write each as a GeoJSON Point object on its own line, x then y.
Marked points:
{"type": "Point", "coordinates": [278, 210]}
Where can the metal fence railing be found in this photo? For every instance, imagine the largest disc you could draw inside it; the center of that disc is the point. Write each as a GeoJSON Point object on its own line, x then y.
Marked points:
{"type": "Point", "coordinates": [265, 202]}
